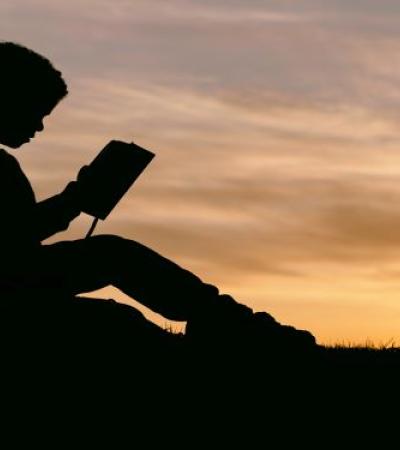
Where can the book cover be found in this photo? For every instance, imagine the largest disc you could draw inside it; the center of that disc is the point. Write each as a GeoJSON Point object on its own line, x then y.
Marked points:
{"type": "Point", "coordinates": [109, 176]}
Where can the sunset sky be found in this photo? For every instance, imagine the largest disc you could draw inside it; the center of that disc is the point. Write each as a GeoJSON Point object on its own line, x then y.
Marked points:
{"type": "Point", "coordinates": [277, 137]}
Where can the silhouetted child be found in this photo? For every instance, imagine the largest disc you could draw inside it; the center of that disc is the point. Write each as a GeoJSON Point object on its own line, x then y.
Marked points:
{"type": "Point", "coordinates": [30, 89]}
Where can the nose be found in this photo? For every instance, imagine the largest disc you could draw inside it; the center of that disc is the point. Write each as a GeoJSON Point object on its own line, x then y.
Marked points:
{"type": "Point", "coordinates": [39, 126]}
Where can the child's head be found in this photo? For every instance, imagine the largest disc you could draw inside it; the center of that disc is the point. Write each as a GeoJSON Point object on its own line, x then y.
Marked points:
{"type": "Point", "coordinates": [30, 87]}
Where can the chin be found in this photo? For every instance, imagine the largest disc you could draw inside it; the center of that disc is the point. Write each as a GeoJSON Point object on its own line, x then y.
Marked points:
{"type": "Point", "coordinates": [14, 143]}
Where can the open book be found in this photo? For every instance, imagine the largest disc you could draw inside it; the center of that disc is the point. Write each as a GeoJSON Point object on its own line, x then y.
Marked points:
{"type": "Point", "coordinates": [108, 177]}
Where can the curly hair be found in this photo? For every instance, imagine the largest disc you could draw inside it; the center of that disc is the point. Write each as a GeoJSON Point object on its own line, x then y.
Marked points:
{"type": "Point", "coordinates": [27, 75]}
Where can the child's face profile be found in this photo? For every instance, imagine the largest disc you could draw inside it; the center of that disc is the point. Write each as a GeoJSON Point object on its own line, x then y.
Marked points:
{"type": "Point", "coordinates": [20, 122]}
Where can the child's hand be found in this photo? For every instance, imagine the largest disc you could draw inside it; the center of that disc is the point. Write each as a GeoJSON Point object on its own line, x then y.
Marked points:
{"type": "Point", "coordinates": [71, 197]}
{"type": "Point", "coordinates": [83, 174]}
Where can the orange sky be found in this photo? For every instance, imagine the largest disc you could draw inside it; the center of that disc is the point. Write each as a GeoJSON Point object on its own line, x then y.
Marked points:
{"type": "Point", "coordinates": [276, 129]}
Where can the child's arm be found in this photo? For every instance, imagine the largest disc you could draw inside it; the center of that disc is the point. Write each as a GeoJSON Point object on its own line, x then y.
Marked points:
{"type": "Point", "coordinates": [55, 213]}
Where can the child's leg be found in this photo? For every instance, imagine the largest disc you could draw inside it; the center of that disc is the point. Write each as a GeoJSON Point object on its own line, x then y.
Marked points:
{"type": "Point", "coordinates": [88, 264]}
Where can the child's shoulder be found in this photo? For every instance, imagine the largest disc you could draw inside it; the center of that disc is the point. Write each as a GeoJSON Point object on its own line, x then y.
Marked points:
{"type": "Point", "coordinates": [5, 156]}
{"type": "Point", "coordinates": [4, 153]}
{"type": "Point", "coordinates": [8, 163]}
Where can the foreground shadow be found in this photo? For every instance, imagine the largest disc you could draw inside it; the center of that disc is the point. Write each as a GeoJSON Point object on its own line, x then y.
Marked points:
{"type": "Point", "coordinates": [78, 333]}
